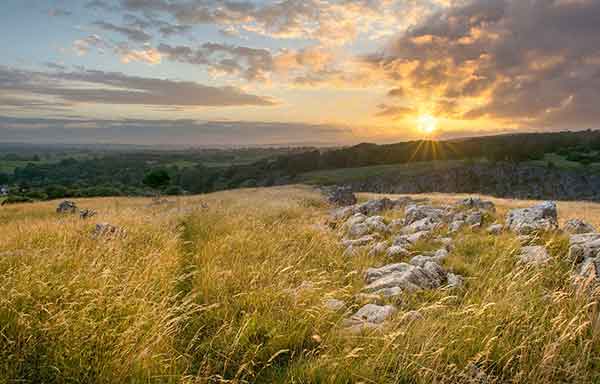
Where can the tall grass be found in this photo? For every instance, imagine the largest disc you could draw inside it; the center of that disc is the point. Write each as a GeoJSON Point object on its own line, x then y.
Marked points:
{"type": "Point", "coordinates": [234, 293]}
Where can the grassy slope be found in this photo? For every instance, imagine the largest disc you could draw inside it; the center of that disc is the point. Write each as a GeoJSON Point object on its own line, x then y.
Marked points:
{"type": "Point", "coordinates": [195, 295]}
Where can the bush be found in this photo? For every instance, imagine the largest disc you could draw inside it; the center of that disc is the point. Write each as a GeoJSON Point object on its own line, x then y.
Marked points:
{"type": "Point", "coordinates": [13, 199]}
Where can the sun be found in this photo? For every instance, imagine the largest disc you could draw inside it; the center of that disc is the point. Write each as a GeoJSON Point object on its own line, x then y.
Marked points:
{"type": "Point", "coordinates": [427, 123]}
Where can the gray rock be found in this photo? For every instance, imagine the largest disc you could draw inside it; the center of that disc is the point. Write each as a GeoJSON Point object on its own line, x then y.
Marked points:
{"type": "Point", "coordinates": [455, 281]}
{"type": "Point", "coordinates": [495, 229]}
{"type": "Point", "coordinates": [341, 196]}
{"type": "Point", "coordinates": [524, 221]}
{"type": "Point", "coordinates": [376, 224]}
{"type": "Point", "coordinates": [379, 248]}
{"type": "Point", "coordinates": [334, 304]}
{"type": "Point", "coordinates": [421, 260]}
{"type": "Point", "coordinates": [534, 255]}
{"type": "Point", "coordinates": [413, 278]}
{"type": "Point", "coordinates": [67, 207]}
{"type": "Point", "coordinates": [373, 274]}
{"type": "Point", "coordinates": [425, 224]}
{"type": "Point", "coordinates": [418, 212]}
{"type": "Point", "coordinates": [341, 214]}
{"type": "Point", "coordinates": [358, 230]}
{"type": "Point", "coordinates": [476, 203]}
{"type": "Point", "coordinates": [373, 207]}
{"type": "Point", "coordinates": [474, 219]}
{"type": "Point", "coordinates": [370, 316]}
{"type": "Point", "coordinates": [577, 226]}
{"type": "Point", "coordinates": [584, 246]}
{"type": "Point", "coordinates": [455, 226]}
{"type": "Point", "coordinates": [446, 242]}
{"type": "Point", "coordinates": [396, 226]}
{"type": "Point", "coordinates": [397, 251]}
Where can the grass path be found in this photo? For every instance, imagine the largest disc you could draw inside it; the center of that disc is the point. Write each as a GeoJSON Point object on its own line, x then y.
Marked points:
{"type": "Point", "coordinates": [234, 293]}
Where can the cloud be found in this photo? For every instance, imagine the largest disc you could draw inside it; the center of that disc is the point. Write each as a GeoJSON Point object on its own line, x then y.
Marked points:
{"type": "Point", "coordinates": [168, 132]}
{"type": "Point", "coordinates": [534, 63]}
{"type": "Point", "coordinates": [117, 88]}
{"type": "Point", "coordinates": [133, 34]}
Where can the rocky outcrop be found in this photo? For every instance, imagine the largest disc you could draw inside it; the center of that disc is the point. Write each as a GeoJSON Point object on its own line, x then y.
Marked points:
{"type": "Point", "coordinates": [370, 316]}
{"type": "Point", "coordinates": [508, 180]}
{"type": "Point", "coordinates": [542, 217]}
{"type": "Point", "coordinates": [534, 255]}
{"type": "Point", "coordinates": [341, 196]}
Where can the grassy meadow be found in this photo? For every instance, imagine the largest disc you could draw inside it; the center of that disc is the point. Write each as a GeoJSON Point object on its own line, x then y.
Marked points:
{"type": "Point", "coordinates": [234, 293]}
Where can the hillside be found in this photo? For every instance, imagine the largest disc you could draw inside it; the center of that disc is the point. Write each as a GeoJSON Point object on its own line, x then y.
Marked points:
{"type": "Point", "coordinates": [253, 285]}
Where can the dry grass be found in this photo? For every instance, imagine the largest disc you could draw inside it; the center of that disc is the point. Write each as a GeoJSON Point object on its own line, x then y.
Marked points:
{"type": "Point", "coordinates": [234, 293]}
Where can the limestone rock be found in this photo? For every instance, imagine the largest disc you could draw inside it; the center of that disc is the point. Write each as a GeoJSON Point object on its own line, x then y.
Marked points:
{"type": "Point", "coordinates": [495, 229]}
{"type": "Point", "coordinates": [334, 305]}
{"type": "Point", "coordinates": [341, 196]}
{"type": "Point", "coordinates": [67, 207]}
{"type": "Point", "coordinates": [379, 248]}
{"type": "Point", "coordinates": [542, 217]}
{"type": "Point", "coordinates": [412, 278]}
{"type": "Point", "coordinates": [373, 274]}
{"type": "Point", "coordinates": [577, 226]}
{"type": "Point", "coordinates": [476, 203]}
{"type": "Point", "coordinates": [425, 224]}
{"type": "Point", "coordinates": [396, 251]}
{"type": "Point", "coordinates": [534, 255]}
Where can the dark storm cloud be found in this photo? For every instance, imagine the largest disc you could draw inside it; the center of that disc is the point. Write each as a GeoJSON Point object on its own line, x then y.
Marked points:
{"type": "Point", "coordinates": [117, 88]}
{"type": "Point", "coordinates": [532, 61]}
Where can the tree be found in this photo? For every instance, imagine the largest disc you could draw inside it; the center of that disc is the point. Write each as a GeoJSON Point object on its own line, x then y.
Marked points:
{"type": "Point", "coordinates": [157, 179]}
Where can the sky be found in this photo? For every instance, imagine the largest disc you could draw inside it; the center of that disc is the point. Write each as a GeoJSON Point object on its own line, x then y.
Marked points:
{"type": "Point", "coordinates": [295, 72]}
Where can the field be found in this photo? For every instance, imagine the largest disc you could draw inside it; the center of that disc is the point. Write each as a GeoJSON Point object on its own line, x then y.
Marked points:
{"type": "Point", "coordinates": [347, 175]}
{"type": "Point", "coordinates": [234, 293]}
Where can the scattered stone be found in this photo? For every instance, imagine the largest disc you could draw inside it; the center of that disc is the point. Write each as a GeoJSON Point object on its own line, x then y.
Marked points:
{"type": "Point", "coordinates": [425, 224]}
{"type": "Point", "coordinates": [373, 207]}
{"type": "Point", "coordinates": [418, 212]}
{"type": "Point", "coordinates": [455, 226]}
{"type": "Point", "coordinates": [358, 230]}
{"type": "Point", "coordinates": [534, 255]}
{"type": "Point", "coordinates": [397, 251]}
{"type": "Point", "coordinates": [396, 225]}
{"type": "Point", "coordinates": [474, 219]}
{"type": "Point", "coordinates": [421, 260]}
{"type": "Point", "coordinates": [341, 196]}
{"type": "Point", "coordinates": [370, 316]}
{"type": "Point", "coordinates": [341, 214]}
{"type": "Point", "coordinates": [524, 221]}
{"type": "Point", "coordinates": [379, 248]}
{"type": "Point", "coordinates": [373, 274]}
{"type": "Point", "coordinates": [376, 224]}
{"type": "Point", "coordinates": [584, 246]}
{"type": "Point", "coordinates": [412, 278]}
{"type": "Point", "coordinates": [87, 213]}
{"type": "Point", "coordinates": [334, 305]}
{"type": "Point", "coordinates": [455, 281]}
{"type": "Point", "coordinates": [495, 229]}
{"type": "Point", "coordinates": [67, 207]}
{"type": "Point", "coordinates": [476, 203]}
{"type": "Point", "coordinates": [577, 226]}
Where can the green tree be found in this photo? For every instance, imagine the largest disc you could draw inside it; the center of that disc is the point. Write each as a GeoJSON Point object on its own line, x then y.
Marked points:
{"type": "Point", "coordinates": [157, 179]}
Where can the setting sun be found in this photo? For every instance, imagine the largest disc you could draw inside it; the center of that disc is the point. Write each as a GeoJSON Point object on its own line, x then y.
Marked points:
{"type": "Point", "coordinates": [427, 123]}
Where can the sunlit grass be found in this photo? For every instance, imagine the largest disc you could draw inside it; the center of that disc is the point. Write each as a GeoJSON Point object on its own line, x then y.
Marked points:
{"type": "Point", "coordinates": [234, 293]}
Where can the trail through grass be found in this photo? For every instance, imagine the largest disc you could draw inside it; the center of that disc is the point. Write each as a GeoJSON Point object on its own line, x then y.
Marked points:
{"type": "Point", "coordinates": [234, 293]}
